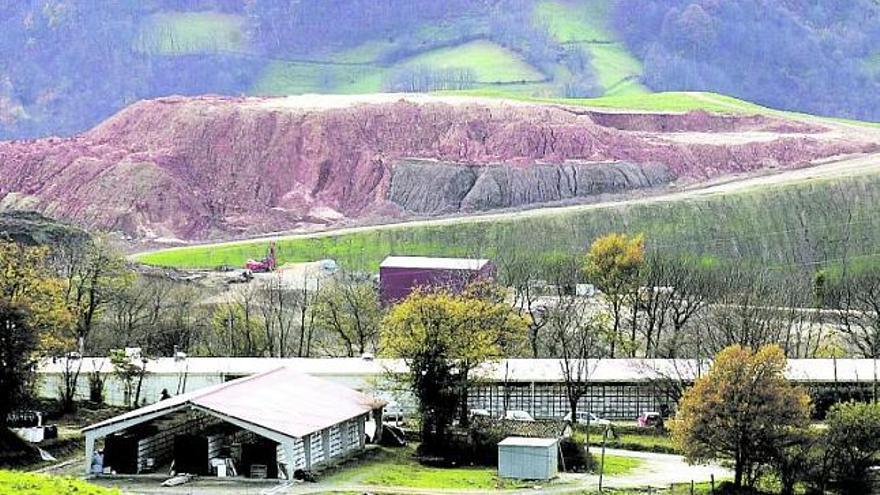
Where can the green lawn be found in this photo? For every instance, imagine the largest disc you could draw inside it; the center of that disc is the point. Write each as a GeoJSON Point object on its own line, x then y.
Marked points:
{"type": "Point", "coordinates": [398, 468]}
{"type": "Point", "coordinates": [618, 466]}
{"type": "Point", "coordinates": [179, 33]}
{"type": "Point", "coordinates": [19, 483]}
{"type": "Point", "coordinates": [490, 63]}
{"type": "Point", "coordinates": [638, 442]}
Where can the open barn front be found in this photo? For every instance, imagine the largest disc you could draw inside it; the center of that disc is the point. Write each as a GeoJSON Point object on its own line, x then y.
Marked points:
{"type": "Point", "coordinates": [270, 425]}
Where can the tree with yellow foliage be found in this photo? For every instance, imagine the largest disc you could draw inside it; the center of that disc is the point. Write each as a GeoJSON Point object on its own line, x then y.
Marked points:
{"type": "Point", "coordinates": [443, 337]}
{"type": "Point", "coordinates": [614, 265]}
{"type": "Point", "coordinates": [34, 318]}
{"type": "Point", "coordinates": [28, 281]}
{"type": "Point", "coordinates": [743, 409]}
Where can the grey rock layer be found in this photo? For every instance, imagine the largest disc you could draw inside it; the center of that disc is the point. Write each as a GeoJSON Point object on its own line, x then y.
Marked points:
{"type": "Point", "coordinates": [429, 187]}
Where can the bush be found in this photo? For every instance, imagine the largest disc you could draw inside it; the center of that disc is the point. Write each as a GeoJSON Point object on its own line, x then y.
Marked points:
{"type": "Point", "coordinates": [573, 455]}
{"type": "Point", "coordinates": [853, 443]}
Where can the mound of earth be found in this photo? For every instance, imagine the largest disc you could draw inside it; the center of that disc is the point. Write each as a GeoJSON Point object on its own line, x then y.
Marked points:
{"type": "Point", "coordinates": [211, 167]}
{"type": "Point", "coordinates": [32, 228]}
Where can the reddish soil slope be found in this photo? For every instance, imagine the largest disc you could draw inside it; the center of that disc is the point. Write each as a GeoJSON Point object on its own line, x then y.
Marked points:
{"type": "Point", "coordinates": [210, 167]}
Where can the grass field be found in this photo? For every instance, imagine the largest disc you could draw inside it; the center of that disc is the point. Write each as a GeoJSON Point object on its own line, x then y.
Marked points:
{"type": "Point", "coordinates": [588, 24]}
{"type": "Point", "coordinates": [397, 467]}
{"type": "Point", "coordinates": [288, 78]}
{"type": "Point", "coordinates": [181, 33]}
{"type": "Point", "coordinates": [761, 225]}
{"type": "Point", "coordinates": [354, 72]}
{"type": "Point", "coordinates": [489, 62]}
{"type": "Point", "coordinates": [19, 483]}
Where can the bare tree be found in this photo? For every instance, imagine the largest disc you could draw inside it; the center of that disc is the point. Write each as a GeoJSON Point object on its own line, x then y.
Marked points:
{"type": "Point", "coordinates": [349, 309]}
{"type": "Point", "coordinates": [578, 331]}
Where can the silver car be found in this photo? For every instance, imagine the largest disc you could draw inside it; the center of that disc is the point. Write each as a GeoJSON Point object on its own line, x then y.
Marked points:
{"type": "Point", "coordinates": [584, 416]}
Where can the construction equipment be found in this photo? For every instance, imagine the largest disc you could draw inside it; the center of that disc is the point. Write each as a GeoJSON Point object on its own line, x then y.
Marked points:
{"type": "Point", "coordinates": [267, 264]}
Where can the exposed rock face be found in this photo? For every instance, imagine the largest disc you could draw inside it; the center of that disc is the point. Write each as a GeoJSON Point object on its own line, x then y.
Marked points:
{"type": "Point", "coordinates": [426, 187]}
{"type": "Point", "coordinates": [212, 167]}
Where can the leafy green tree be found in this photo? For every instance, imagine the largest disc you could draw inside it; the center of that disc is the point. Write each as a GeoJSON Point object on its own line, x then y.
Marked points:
{"type": "Point", "coordinates": [27, 280]}
{"type": "Point", "coordinates": [443, 337]}
{"type": "Point", "coordinates": [853, 440]}
{"type": "Point", "coordinates": [741, 410]}
{"type": "Point", "coordinates": [131, 370]}
{"type": "Point", "coordinates": [614, 265]}
{"type": "Point", "coordinates": [235, 331]}
{"type": "Point", "coordinates": [18, 342]}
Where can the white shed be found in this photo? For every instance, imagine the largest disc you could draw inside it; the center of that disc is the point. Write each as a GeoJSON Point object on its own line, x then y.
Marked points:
{"type": "Point", "coordinates": [527, 458]}
{"type": "Point", "coordinates": [308, 421]}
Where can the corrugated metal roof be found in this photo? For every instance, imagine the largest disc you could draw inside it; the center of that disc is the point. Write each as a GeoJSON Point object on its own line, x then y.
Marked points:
{"type": "Point", "coordinates": [513, 370]}
{"type": "Point", "coordinates": [433, 263]}
{"type": "Point", "coordinates": [282, 400]}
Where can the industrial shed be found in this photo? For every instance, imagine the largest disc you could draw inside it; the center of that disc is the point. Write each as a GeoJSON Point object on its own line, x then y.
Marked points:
{"type": "Point", "coordinates": [253, 426]}
{"type": "Point", "coordinates": [400, 275]}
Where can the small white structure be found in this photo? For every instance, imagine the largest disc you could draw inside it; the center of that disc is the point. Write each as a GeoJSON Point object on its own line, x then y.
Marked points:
{"type": "Point", "coordinates": [528, 458]}
{"type": "Point", "coordinates": [312, 422]}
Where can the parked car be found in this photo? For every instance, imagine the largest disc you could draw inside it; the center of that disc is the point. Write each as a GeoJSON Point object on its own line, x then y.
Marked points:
{"type": "Point", "coordinates": [518, 416]}
{"type": "Point", "coordinates": [393, 413]}
{"type": "Point", "coordinates": [480, 412]}
{"type": "Point", "coordinates": [583, 417]}
{"type": "Point", "coordinates": [649, 419]}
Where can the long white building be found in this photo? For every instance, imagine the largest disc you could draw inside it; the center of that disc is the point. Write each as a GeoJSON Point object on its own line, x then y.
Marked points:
{"type": "Point", "coordinates": [619, 388]}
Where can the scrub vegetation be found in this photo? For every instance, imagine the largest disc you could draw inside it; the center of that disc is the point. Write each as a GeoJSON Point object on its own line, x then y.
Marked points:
{"type": "Point", "coordinates": [20, 483]}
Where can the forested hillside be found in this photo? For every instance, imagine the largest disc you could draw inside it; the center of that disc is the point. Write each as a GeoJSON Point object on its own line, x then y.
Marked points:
{"type": "Point", "coordinates": [65, 65]}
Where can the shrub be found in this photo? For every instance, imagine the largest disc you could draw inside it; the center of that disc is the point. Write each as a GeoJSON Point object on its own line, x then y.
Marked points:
{"type": "Point", "coordinates": [853, 441]}
{"type": "Point", "coordinates": [573, 455]}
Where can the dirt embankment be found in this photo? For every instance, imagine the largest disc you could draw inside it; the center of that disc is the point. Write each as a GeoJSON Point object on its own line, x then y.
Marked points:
{"type": "Point", "coordinates": [212, 167]}
{"type": "Point", "coordinates": [433, 188]}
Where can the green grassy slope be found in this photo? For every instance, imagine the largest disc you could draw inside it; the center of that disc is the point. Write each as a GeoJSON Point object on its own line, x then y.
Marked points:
{"type": "Point", "coordinates": [356, 71]}
{"type": "Point", "coordinates": [761, 225]}
{"type": "Point", "coordinates": [182, 33]}
{"type": "Point", "coordinates": [490, 62]}
{"type": "Point", "coordinates": [588, 24]}
{"type": "Point", "coordinates": [370, 66]}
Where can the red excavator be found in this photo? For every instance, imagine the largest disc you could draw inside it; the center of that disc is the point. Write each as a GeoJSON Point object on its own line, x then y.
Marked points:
{"type": "Point", "coordinates": [267, 264]}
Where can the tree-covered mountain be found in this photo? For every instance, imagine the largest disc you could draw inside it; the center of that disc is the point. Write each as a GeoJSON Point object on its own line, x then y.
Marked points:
{"type": "Point", "coordinates": [67, 64]}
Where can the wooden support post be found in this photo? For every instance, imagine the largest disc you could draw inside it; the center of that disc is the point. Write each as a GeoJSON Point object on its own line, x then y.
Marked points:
{"type": "Point", "coordinates": [307, 451]}
{"type": "Point", "coordinates": [90, 451]}
{"type": "Point", "coordinates": [325, 443]}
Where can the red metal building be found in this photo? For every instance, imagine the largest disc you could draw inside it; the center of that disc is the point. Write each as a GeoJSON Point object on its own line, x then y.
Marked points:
{"type": "Point", "coordinates": [400, 275]}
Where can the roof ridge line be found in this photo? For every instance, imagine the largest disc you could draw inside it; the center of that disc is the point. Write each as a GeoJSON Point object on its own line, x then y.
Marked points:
{"type": "Point", "coordinates": [237, 381]}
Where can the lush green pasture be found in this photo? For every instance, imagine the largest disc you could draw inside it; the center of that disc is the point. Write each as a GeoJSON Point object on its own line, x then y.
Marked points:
{"type": "Point", "coordinates": [289, 78]}
{"type": "Point", "coordinates": [762, 225]}
{"type": "Point", "coordinates": [587, 24]}
{"type": "Point", "coordinates": [180, 33]}
{"type": "Point", "coordinates": [20, 483]}
{"type": "Point", "coordinates": [489, 62]}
